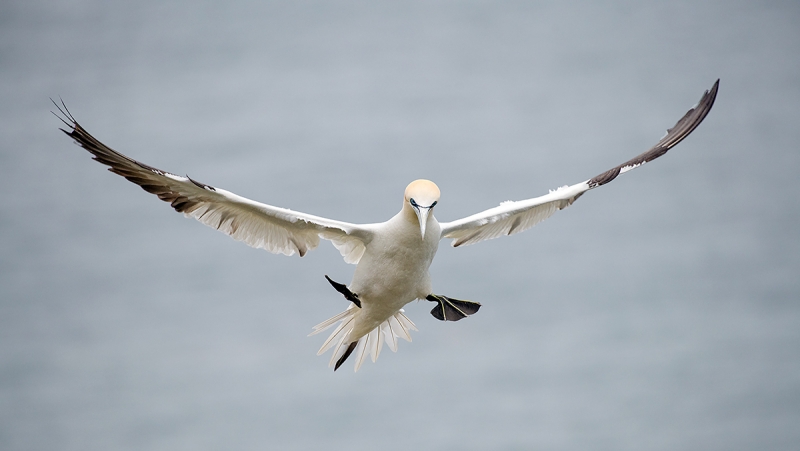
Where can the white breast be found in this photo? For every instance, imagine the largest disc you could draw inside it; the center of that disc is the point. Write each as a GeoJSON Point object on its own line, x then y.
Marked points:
{"type": "Point", "coordinates": [394, 270]}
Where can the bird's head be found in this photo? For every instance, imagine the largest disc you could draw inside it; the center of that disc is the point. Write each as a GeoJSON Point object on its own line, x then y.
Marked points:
{"type": "Point", "coordinates": [420, 197]}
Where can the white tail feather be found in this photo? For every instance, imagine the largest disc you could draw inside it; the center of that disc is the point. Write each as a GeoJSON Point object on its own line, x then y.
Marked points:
{"type": "Point", "coordinates": [375, 343]}
{"type": "Point", "coordinates": [386, 327]}
{"type": "Point", "coordinates": [361, 350]}
{"type": "Point", "coordinates": [331, 321]}
{"type": "Point", "coordinates": [398, 325]}
{"type": "Point", "coordinates": [380, 342]}
{"type": "Point", "coordinates": [339, 349]}
{"type": "Point", "coordinates": [338, 332]}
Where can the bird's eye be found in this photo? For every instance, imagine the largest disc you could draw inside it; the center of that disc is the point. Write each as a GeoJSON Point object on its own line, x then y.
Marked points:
{"type": "Point", "coordinates": [413, 202]}
{"type": "Point", "coordinates": [433, 204]}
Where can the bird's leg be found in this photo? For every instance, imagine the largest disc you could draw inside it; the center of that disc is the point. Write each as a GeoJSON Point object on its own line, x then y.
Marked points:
{"type": "Point", "coordinates": [349, 295]}
{"type": "Point", "coordinates": [449, 309]}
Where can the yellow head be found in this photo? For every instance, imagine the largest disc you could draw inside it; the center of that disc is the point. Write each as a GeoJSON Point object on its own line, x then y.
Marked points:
{"type": "Point", "coordinates": [421, 196]}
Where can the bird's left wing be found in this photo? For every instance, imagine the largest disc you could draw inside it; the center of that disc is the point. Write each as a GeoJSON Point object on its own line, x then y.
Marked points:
{"type": "Point", "coordinates": [513, 217]}
{"type": "Point", "coordinates": [278, 230]}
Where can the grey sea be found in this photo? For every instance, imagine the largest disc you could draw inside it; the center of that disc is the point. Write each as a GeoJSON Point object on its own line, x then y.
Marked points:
{"type": "Point", "coordinates": [659, 312]}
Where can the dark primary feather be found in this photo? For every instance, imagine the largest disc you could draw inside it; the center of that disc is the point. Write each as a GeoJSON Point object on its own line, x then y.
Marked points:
{"type": "Point", "coordinates": [129, 168]}
{"type": "Point", "coordinates": [680, 130]}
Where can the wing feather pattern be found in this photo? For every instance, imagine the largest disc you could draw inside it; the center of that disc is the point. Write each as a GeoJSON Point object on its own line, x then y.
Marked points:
{"type": "Point", "coordinates": [514, 217]}
{"type": "Point", "coordinates": [277, 230]}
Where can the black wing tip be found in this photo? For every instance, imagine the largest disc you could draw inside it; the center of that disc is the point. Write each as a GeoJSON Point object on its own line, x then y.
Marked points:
{"type": "Point", "coordinates": [683, 128]}
{"type": "Point", "coordinates": [703, 106]}
{"type": "Point", "coordinates": [121, 164]}
{"type": "Point", "coordinates": [75, 131]}
{"type": "Point", "coordinates": [66, 116]}
{"type": "Point", "coordinates": [707, 101]}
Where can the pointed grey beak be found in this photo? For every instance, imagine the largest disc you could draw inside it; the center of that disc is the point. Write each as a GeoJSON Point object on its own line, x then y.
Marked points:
{"type": "Point", "coordinates": [422, 215]}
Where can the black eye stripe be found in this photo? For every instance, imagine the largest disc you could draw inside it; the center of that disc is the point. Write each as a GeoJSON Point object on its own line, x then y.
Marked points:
{"type": "Point", "coordinates": [416, 205]}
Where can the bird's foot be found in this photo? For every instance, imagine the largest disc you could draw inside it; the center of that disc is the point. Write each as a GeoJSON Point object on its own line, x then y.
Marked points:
{"type": "Point", "coordinates": [449, 309]}
{"type": "Point", "coordinates": [349, 295]}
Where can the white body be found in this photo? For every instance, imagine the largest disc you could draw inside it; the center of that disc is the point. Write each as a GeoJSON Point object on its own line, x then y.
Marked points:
{"type": "Point", "coordinates": [393, 257]}
{"type": "Point", "coordinates": [393, 270]}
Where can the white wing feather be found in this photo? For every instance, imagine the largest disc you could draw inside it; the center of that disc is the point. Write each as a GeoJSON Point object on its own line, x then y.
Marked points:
{"type": "Point", "coordinates": [510, 217]}
{"type": "Point", "coordinates": [277, 230]}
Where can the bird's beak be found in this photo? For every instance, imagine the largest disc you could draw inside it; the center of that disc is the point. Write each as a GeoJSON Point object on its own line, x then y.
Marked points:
{"type": "Point", "coordinates": [422, 215]}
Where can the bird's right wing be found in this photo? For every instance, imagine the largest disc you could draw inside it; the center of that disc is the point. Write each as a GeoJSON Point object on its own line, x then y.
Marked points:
{"type": "Point", "coordinates": [513, 217]}
{"type": "Point", "coordinates": [278, 230]}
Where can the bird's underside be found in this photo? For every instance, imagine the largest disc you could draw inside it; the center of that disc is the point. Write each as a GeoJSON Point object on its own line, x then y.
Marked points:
{"type": "Point", "coordinates": [283, 231]}
{"type": "Point", "coordinates": [447, 309]}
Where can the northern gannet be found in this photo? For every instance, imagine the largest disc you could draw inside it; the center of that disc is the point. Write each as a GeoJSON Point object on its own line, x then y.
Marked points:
{"type": "Point", "coordinates": [392, 257]}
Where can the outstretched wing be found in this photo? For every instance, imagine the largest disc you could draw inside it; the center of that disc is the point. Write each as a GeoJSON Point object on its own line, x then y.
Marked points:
{"type": "Point", "coordinates": [278, 230]}
{"type": "Point", "coordinates": [513, 217]}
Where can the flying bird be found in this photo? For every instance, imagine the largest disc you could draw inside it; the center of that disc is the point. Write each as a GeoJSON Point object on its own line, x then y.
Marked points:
{"type": "Point", "coordinates": [392, 258]}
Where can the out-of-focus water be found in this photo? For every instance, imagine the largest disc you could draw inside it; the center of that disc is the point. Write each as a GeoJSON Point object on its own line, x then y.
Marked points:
{"type": "Point", "coordinates": [659, 312]}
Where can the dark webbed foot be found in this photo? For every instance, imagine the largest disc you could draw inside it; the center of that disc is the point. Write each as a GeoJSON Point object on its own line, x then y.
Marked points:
{"type": "Point", "coordinates": [450, 309]}
{"type": "Point", "coordinates": [349, 295]}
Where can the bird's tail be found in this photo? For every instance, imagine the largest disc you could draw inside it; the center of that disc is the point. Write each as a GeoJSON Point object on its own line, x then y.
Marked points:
{"type": "Point", "coordinates": [398, 325]}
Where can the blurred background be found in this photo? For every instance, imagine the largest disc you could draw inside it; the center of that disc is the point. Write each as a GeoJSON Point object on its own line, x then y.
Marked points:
{"type": "Point", "coordinates": [657, 313]}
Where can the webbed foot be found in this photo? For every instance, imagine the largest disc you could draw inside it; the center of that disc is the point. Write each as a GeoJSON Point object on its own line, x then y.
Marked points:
{"type": "Point", "coordinates": [449, 309]}
{"type": "Point", "coordinates": [349, 295]}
